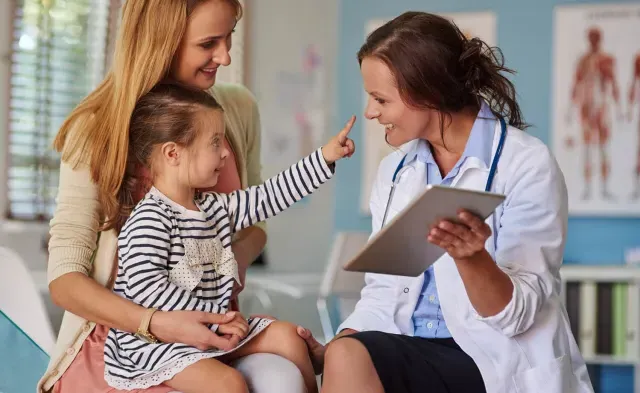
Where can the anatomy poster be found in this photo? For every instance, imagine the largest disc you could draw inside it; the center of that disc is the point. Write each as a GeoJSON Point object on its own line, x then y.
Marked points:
{"type": "Point", "coordinates": [596, 105]}
{"type": "Point", "coordinates": [472, 24]}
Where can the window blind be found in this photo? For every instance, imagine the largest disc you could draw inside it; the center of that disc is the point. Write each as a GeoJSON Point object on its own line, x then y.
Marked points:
{"type": "Point", "coordinates": [57, 58]}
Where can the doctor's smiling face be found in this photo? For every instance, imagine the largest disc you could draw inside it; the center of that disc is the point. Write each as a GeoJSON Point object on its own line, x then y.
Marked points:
{"type": "Point", "coordinates": [426, 80]}
{"type": "Point", "coordinates": [402, 122]}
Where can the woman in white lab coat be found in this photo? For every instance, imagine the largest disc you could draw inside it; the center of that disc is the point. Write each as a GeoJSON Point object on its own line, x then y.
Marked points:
{"type": "Point", "coordinates": [487, 316]}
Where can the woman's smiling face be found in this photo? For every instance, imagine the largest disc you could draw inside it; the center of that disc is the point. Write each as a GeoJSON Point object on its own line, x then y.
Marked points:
{"type": "Point", "coordinates": [205, 45]}
{"type": "Point", "coordinates": [402, 123]}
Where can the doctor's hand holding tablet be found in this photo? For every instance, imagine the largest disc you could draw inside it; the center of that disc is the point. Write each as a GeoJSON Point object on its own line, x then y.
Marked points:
{"type": "Point", "coordinates": [460, 240]}
{"type": "Point", "coordinates": [450, 218]}
{"type": "Point", "coordinates": [454, 300]}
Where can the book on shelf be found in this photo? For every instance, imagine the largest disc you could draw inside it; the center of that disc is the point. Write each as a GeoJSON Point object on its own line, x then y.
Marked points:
{"type": "Point", "coordinates": [619, 319]}
{"type": "Point", "coordinates": [633, 314]}
{"type": "Point", "coordinates": [604, 317]}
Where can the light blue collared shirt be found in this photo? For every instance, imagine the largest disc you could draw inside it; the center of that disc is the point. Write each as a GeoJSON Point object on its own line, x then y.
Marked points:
{"type": "Point", "coordinates": [428, 321]}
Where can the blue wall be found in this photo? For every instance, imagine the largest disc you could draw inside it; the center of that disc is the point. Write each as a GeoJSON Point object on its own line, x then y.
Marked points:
{"type": "Point", "coordinates": [525, 29]}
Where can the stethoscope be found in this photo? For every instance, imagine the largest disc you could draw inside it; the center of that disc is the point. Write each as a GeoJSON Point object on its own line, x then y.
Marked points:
{"type": "Point", "coordinates": [397, 174]}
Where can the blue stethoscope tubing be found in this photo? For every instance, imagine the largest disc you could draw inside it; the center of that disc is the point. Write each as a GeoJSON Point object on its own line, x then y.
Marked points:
{"type": "Point", "coordinates": [492, 169]}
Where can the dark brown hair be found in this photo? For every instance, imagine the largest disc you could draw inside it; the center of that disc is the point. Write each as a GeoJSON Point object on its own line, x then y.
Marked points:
{"type": "Point", "coordinates": [170, 112]}
{"type": "Point", "coordinates": [437, 67]}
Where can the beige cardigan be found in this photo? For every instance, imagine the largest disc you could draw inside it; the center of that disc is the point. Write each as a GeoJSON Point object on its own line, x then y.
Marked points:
{"type": "Point", "coordinates": [74, 244]}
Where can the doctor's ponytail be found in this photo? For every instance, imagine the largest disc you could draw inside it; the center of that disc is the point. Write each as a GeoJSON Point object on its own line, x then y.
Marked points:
{"type": "Point", "coordinates": [482, 68]}
{"type": "Point", "coordinates": [437, 67]}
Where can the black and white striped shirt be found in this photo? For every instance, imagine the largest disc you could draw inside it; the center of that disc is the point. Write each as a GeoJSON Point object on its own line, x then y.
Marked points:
{"type": "Point", "coordinates": [172, 258]}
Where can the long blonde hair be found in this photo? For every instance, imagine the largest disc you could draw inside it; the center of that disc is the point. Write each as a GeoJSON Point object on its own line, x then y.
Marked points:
{"type": "Point", "coordinates": [149, 36]}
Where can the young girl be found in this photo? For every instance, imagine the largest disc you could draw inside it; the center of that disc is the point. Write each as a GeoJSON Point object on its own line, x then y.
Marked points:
{"type": "Point", "coordinates": [174, 250]}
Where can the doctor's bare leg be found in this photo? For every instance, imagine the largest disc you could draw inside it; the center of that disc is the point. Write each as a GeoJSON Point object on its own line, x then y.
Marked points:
{"type": "Point", "coordinates": [348, 368]}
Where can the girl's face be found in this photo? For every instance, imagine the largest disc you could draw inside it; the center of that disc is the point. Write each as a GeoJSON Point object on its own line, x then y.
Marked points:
{"type": "Point", "coordinates": [205, 45]}
{"type": "Point", "coordinates": [402, 123]}
{"type": "Point", "coordinates": [207, 155]}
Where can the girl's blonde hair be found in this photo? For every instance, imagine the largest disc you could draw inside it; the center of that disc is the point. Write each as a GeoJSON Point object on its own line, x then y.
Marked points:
{"type": "Point", "coordinates": [149, 36]}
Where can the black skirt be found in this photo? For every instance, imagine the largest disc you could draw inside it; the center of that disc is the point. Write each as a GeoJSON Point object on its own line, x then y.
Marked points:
{"type": "Point", "coordinates": [421, 365]}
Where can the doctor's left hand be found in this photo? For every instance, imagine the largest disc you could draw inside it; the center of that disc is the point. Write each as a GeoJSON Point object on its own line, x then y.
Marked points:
{"type": "Point", "coordinates": [460, 240]}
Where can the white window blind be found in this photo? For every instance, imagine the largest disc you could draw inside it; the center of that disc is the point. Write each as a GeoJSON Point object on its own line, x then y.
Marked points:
{"type": "Point", "coordinates": [57, 58]}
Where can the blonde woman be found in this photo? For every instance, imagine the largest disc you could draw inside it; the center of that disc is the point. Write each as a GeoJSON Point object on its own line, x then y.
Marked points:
{"type": "Point", "coordinates": [183, 40]}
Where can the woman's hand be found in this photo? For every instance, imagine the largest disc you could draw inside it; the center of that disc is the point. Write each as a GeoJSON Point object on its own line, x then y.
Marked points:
{"type": "Point", "coordinates": [317, 350]}
{"type": "Point", "coordinates": [238, 328]}
{"type": "Point", "coordinates": [460, 240]}
{"type": "Point", "coordinates": [340, 146]}
{"type": "Point", "coordinates": [489, 288]}
{"type": "Point", "coordinates": [190, 327]}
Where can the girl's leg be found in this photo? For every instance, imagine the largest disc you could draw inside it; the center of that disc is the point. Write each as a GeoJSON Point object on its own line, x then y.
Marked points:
{"type": "Point", "coordinates": [208, 376]}
{"type": "Point", "coordinates": [281, 338]}
{"type": "Point", "coordinates": [348, 368]}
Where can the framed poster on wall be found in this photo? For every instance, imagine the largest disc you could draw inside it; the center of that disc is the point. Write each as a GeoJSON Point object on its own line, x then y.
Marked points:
{"type": "Point", "coordinates": [472, 24]}
{"type": "Point", "coordinates": [596, 105]}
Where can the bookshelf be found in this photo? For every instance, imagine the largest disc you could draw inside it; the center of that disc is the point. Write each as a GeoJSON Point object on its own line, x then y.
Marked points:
{"type": "Point", "coordinates": [587, 292]}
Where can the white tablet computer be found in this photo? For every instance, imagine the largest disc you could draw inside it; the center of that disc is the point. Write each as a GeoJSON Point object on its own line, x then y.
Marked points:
{"type": "Point", "coordinates": [401, 247]}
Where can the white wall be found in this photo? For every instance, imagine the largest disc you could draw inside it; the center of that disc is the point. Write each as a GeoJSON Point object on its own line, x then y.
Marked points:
{"type": "Point", "coordinates": [300, 238]}
{"type": "Point", "coordinates": [279, 30]}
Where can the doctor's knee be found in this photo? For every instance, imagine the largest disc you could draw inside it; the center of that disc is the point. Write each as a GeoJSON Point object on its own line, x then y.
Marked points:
{"type": "Point", "coordinates": [343, 353]}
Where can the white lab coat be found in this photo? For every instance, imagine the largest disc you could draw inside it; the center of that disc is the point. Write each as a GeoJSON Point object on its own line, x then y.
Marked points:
{"type": "Point", "coordinates": [527, 347]}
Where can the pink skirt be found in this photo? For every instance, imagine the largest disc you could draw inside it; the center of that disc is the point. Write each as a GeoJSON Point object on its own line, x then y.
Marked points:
{"type": "Point", "coordinates": [86, 372]}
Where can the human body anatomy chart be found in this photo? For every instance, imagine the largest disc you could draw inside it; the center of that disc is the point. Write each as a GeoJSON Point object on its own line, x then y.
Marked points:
{"type": "Point", "coordinates": [596, 106]}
